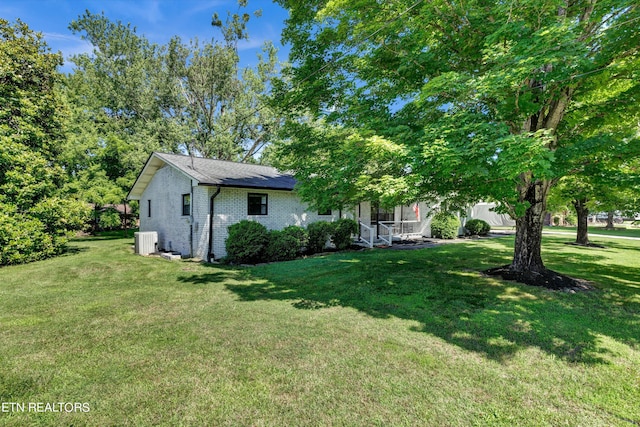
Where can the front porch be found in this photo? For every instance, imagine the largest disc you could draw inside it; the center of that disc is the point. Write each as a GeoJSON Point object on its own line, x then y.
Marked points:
{"type": "Point", "coordinates": [387, 232]}
{"type": "Point", "coordinates": [380, 226]}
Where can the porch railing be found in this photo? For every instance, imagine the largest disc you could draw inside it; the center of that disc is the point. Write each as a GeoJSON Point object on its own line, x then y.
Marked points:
{"type": "Point", "coordinates": [386, 233]}
{"type": "Point", "coordinates": [367, 234]}
{"type": "Point", "coordinates": [388, 229]}
{"type": "Point", "coordinates": [402, 228]}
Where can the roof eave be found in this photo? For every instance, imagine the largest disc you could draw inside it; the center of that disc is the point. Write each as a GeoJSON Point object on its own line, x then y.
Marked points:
{"type": "Point", "coordinates": [152, 165]}
{"type": "Point", "coordinates": [254, 187]}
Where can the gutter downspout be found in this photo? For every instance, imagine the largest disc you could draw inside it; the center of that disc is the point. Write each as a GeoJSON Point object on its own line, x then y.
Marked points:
{"type": "Point", "coordinates": [210, 256]}
{"type": "Point", "coordinates": [191, 221]}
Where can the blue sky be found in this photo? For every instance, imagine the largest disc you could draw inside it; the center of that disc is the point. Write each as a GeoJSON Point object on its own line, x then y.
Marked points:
{"type": "Point", "coordinates": [158, 20]}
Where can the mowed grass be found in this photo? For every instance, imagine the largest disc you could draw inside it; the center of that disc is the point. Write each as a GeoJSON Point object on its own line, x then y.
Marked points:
{"type": "Point", "coordinates": [379, 337]}
{"type": "Point", "coordinates": [625, 230]}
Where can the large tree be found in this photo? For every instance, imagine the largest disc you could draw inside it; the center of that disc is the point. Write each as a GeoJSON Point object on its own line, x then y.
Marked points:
{"type": "Point", "coordinates": [180, 97]}
{"type": "Point", "coordinates": [118, 97]}
{"type": "Point", "coordinates": [480, 98]}
{"type": "Point", "coordinates": [34, 220]}
{"type": "Point", "coordinates": [221, 104]}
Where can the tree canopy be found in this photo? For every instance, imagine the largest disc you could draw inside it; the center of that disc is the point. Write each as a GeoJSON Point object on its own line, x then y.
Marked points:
{"type": "Point", "coordinates": [130, 97]}
{"type": "Point", "coordinates": [35, 218]}
{"type": "Point", "coordinates": [482, 100]}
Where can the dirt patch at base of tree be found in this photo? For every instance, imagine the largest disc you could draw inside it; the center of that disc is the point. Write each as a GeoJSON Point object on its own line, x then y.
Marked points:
{"type": "Point", "coordinates": [588, 245]}
{"type": "Point", "coordinates": [546, 278]}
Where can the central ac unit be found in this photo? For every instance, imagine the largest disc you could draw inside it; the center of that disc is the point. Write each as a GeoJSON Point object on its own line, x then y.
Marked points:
{"type": "Point", "coordinates": [146, 242]}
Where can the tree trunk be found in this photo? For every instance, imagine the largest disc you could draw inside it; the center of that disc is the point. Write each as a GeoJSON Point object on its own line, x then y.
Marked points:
{"type": "Point", "coordinates": [610, 225]}
{"type": "Point", "coordinates": [526, 255]}
{"type": "Point", "coordinates": [582, 237]}
{"type": "Point", "coordinates": [96, 217]}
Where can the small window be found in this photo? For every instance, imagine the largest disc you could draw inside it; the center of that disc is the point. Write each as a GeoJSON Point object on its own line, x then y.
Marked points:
{"type": "Point", "coordinates": [325, 212]}
{"type": "Point", "coordinates": [186, 204]}
{"type": "Point", "coordinates": [257, 204]}
{"type": "Point", "coordinates": [149, 208]}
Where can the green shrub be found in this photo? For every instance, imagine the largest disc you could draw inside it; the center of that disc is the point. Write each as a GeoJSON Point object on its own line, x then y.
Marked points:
{"type": "Point", "coordinates": [444, 226]}
{"type": "Point", "coordinates": [61, 217]}
{"type": "Point", "coordinates": [477, 226]}
{"type": "Point", "coordinates": [247, 242]}
{"type": "Point", "coordinates": [342, 231]}
{"type": "Point", "coordinates": [571, 219]}
{"type": "Point", "coordinates": [39, 233]}
{"type": "Point", "coordinates": [23, 239]}
{"type": "Point", "coordinates": [301, 236]}
{"type": "Point", "coordinates": [282, 246]}
{"type": "Point", "coordinates": [319, 233]}
{"type": "Point", "coordinates": [109, 220]}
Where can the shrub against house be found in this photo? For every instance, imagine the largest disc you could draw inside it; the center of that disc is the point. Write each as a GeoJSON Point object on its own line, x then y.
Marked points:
{"type": "Point", "coordinates": [250, 242]}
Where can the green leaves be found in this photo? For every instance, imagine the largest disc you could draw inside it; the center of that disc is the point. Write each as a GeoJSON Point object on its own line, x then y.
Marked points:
{"type": "Point", "coordinates": [485, 93]}
{"type": "Point", "coordinates": [180, 97]}
{"type": "Point", "coordinates": [338, 167]}
{"type": "Point", "coordinates": [34, 222]}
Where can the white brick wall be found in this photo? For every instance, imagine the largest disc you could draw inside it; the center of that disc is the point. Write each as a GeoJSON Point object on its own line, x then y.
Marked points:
{"type": "Point", "coordinates": [189, 235]}
{"type": "Point", "coordinates": [200, 207]}
{"type": "Point", "coordinates": [231, 206]}
{"type": "Point", "coordinates": [165, 193]}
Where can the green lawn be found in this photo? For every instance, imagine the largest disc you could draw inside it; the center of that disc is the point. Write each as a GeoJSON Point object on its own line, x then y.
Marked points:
{"type": "Point", "coordinates": [379, 337]}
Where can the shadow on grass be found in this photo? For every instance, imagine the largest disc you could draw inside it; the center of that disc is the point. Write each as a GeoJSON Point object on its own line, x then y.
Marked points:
{"type": "Point", "coordinates": [106, 235]}
{"type": "Point", "coordinates": [220, 276]}
{"type": "Point", "coordinates": [100, 238]}
{"type": "Point", "coordinates": [73, 250]}
{"type": "Point", "coordinates": [443, 290]}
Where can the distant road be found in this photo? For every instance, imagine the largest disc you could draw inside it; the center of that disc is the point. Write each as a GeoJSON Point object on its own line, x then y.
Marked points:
{"type": "Point", "coordinates": [591, 235]}
{"type": "Point", "coordinates": [568, 233]}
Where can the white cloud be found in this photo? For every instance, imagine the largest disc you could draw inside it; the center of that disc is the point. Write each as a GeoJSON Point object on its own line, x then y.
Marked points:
{"type": "Point", "coordinates": [148, 10]}
{"type": "Point", "coordinates": [252, 43]}
{"type": "Point", "coordinates": [67, 44]}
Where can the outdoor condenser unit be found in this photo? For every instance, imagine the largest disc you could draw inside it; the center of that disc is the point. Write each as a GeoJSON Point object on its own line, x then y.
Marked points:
{"type": "Point", "coordinates": [145, 242]}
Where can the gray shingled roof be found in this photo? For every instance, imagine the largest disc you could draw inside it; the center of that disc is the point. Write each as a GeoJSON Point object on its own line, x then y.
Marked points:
{"type": "Point", "coordinates": [215, 172]}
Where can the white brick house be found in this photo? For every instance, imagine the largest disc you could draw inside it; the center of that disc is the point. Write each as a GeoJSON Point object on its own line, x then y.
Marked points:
{"type": "Point", "coordinates": [179, 194]}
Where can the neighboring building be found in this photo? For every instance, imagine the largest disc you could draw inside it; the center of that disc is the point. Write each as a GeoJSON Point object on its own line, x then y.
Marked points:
{"type": "Point", "coordinates": [124, 211]}
{"type": "Point", "coordinates": [485, 211]}
{"type": "Point", "coordinates": [179, 194]}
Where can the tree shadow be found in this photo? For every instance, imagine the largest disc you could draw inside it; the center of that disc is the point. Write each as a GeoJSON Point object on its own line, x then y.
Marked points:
{"type": "Point", "coordinates": [73, 250]}
{"type": "Point", "coordinates": [106, 235]}
{"type": "Point", "coordinates": [443, 290]}
{"type": "Point", "coordinates": [219, 276]}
